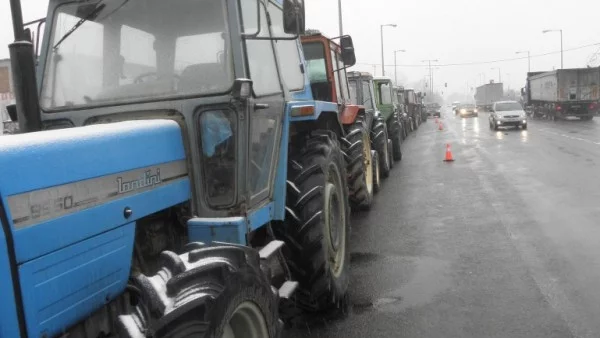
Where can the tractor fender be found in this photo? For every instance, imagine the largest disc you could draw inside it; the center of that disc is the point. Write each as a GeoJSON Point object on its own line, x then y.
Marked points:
{"type": "Point", "coordinates": [328, 120]}
{"type": "Point", "coordinates": [350, 112]}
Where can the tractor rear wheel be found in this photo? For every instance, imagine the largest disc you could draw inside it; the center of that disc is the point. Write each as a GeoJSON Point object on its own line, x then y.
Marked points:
{"type": "Point", "coordinates": [317, 226]}
{"type": "Point", "coordinates": [379, 141]}
{"type": "Point", "coordinates": [357, 147]}
{"type": "Point", "coordinates": [396, 131]}
{"type": "Point", "coordinates": [217, 291]}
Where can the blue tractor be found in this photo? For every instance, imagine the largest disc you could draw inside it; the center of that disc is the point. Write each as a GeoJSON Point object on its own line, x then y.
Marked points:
{"type": "Point", "coordinates": [158, 187]}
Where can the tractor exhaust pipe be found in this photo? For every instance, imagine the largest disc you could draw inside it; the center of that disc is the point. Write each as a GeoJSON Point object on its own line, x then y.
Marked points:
{"type": "Point", "coordinates": [22, 60]}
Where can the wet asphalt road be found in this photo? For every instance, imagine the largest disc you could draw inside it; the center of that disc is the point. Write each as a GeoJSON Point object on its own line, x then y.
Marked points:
{"type": "Point", "coordinates": [503, 242]}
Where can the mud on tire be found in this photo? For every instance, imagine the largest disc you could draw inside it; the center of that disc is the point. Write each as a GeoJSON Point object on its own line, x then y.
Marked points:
{"type": "Point", "coordinates": [317, 196]}
{"type": "Point", "coordinates": [358, 168]}
{"type": "Point", "coordinates": [379, 142]}
{"type": "Point", "coordinates": [204, 292]}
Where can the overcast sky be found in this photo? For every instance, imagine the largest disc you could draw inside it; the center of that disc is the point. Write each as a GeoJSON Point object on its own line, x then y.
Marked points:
{"type": "Point", "coordinates": [452, 31]}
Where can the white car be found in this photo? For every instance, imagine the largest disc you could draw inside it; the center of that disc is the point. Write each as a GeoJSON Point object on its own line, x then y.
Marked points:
{"type": "Point", "coordinates": [508, 114]}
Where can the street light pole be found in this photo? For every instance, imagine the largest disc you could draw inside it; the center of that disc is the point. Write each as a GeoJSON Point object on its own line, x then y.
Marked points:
{"type": "Point", "coordinates": [382, 50]}
{"type": "Point", "coordinates": [340, 14]}
{"type": "Point", "coordinates": [396, 64]}
{"type": "Point", "coordinates": [561, 44]}
{"type": "Point", "coordinates": [430, 74]}
{"type": "Point", "coordinates": [528, 59]}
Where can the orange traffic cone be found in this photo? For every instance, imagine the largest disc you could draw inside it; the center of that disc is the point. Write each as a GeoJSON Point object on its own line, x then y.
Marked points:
{"type": "Point", "coordinates": [441, 126]}
{"type": "Point", "coordinates": [449, 157]}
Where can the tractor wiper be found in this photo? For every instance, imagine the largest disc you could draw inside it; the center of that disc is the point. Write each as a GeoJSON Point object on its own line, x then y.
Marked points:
{"type": "Point", "coordinates": [92, 15]}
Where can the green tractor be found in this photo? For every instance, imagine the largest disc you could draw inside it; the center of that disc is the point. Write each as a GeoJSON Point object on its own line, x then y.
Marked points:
{"type": "Point", "coordinates": [389, 107]}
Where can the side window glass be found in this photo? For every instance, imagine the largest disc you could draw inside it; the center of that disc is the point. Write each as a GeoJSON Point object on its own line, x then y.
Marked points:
{"type": "Point", "coordinates": [287, 51]}
{"type": "Point", "coordinates": [343, 79]}
{"type": "Point", "coordinates": [367, 98]}
{"type": "Point", "coordinates": [217, 130]}
{"type": "Point", "coordinates": [336, 75]}
{"type": "Point", "coordinates": [261, 59]}
{"type": "Point", "coordinates": [386, 93]}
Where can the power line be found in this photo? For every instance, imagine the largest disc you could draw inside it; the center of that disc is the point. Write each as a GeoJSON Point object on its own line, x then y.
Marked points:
{"type": "Point", "coordinates": [475, 63]}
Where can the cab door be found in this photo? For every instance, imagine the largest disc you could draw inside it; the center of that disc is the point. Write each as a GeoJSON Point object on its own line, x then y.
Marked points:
{"type": "Point", "coordinates": [267, 108]}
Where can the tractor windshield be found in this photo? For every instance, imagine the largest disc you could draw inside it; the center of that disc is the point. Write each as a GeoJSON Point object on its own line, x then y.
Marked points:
{"type": "Point", "coordinates": [114, 51]}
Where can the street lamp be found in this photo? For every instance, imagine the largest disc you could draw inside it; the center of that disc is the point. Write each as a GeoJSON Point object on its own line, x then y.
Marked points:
{"type": "Point", "coordinates": [382, 56]}
{"type": "Point", "coordinates": [528, 58]}
{"type": "Point", "coordinates": [396, 64]}
{"type": "Point", "coordinates": [340, 14]}
{"type": "Point", "coordinates": [499, 74]}
{"type": "Point", "coordinates": [561, 43]}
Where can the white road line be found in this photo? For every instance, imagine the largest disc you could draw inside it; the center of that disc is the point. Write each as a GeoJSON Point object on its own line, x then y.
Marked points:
{"type": "Point", "coordinates": [546, 130]}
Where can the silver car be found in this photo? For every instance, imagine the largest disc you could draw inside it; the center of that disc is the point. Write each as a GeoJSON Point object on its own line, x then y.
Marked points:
{"type": "Point", "coordinates": [508, 114]}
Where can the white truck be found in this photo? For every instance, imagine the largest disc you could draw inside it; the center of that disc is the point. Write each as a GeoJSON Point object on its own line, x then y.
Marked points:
{"type": "Point", "coordinates": [563, 92]}
{"type": "Point", "coordinates": [487, 94]}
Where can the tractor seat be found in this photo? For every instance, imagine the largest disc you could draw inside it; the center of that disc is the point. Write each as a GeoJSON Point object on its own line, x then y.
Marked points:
{"type": "Point", "coordinates": [207, 76]}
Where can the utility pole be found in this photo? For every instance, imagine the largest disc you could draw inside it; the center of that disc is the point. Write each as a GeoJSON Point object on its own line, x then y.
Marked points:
{"type": "Point", "coordinates": [340, 14]}
{"type": "Point", "coordinates": [382, 50]}
{"type": "Point", "coordinates": [396, 64]}
{"type": "Point", "coordinates": [561, 44]}
{"type": "Point", "coordinates": [430, 74]}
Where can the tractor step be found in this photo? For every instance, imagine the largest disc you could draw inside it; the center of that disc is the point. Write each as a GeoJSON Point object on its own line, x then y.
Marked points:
{"type": "Point", "coordinates": [270, 249]}
{"type": "Point", "coordinates": [287, 289]}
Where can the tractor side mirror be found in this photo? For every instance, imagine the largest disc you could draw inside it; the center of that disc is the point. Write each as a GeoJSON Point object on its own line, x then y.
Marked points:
{"type": "Point", "coordinates": [348, 56]}
{"type": "Point", "coordinates": [12, 112]}
{"type": "Point", "coordinates": [293, 17]}
{"type": "Point", "coordinates": [242, 89]}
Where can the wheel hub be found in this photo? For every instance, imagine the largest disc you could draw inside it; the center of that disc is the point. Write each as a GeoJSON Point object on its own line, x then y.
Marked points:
{"type": "Point", "coordinates": [247, 321]}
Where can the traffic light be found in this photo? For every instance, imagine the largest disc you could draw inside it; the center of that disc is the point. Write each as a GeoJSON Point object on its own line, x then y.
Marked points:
{"type": "Point", "coordinates": [446, 84]}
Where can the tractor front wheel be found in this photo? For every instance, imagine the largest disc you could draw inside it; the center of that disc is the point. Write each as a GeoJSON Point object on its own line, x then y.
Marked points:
{"type": "Point", "coordinates": [379, 141]}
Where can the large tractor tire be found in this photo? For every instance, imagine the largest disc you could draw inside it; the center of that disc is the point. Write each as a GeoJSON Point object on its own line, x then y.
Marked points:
{"type": "Point", "coordinates": [357, 148]}
{"type": "Point", "coordinates": [396, 130]}
{"type": "Point", "coordinates": [217, 291]}
{"type": "Point", "coordinates": [317, 226]}
{"type": "Point", "coordinates": [379, 142]}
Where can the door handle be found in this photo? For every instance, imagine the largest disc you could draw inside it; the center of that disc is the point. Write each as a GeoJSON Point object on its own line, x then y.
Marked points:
{"type": "Point", "coordinates": [259, 106]}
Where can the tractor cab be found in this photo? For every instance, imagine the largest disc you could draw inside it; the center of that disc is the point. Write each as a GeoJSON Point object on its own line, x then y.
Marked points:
{"type": "Point", "coordinates": [116, 60]}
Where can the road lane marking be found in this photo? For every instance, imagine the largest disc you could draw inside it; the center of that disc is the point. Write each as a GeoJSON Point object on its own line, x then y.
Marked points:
{"type": "Point", "coordinates": [546, 130]}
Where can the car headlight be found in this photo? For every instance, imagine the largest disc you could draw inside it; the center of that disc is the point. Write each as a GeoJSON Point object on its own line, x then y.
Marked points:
{"type": "Point", "coordinates": [475, 110]}
{"type": "Point", "coordinates": [462, 111]}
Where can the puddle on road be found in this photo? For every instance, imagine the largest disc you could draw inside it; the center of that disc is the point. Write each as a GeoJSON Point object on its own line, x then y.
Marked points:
{"type": "Point", "coordinates": [428, 280]}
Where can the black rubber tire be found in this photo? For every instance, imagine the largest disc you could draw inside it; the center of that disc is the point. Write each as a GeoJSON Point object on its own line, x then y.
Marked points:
{"type": "Point", "coordinates": [376, 171]}
{"type": "Point", "coordinates": [586, 118]}
{"type": "Point", "coordinates": [524, 126]}
{"type": "Point", "coordinates": [316, 164]}
{"type": "Point", "coordinates": [396, 130]}
{"type": "Point", "coordinates": [379, 142]}
{"type": "Point", "coordinates": [195, 294]}
{"type": "Point", "coordinates": [496, 127]}
{"type": "Point", "coordinates": [391, 153]}
{"type": "Point", "coordinates": [361, 195]}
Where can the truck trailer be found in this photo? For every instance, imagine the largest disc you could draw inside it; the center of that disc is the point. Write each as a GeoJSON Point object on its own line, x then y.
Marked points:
{"type": "Point", "coordinates": [487, 94]}
{"type": "Point", "coordinates": [563, 92]}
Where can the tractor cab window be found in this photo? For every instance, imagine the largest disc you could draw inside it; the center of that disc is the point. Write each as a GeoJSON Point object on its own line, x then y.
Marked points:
{"type": "Point", "coordinates": [109, 52]}
{"type": "Point", "coordinates": [353, 87]}
{"type": "Point", "coordinates": [217, 130]}
{"type": "Point", "coordinates": [316, 65]}
{"type": "Point", "coordinates": [367, 95]}
{"type": "Point", "coordinates": [385, 93]}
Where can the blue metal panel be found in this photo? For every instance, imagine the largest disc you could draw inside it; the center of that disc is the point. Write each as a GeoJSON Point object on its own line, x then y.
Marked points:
{"type": "Point", "coordinates": [258, 218]}
{"type": "Point", "coordinates": [67, 285]}
{"type": "Point", "coordinates": [38, 160]}
{"type": "Point", "coordinates": [229, 229]}
{"type": "Point", "coordinates": [35, 241]}
{"type": "Point", "coordinates": [9, 326]}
